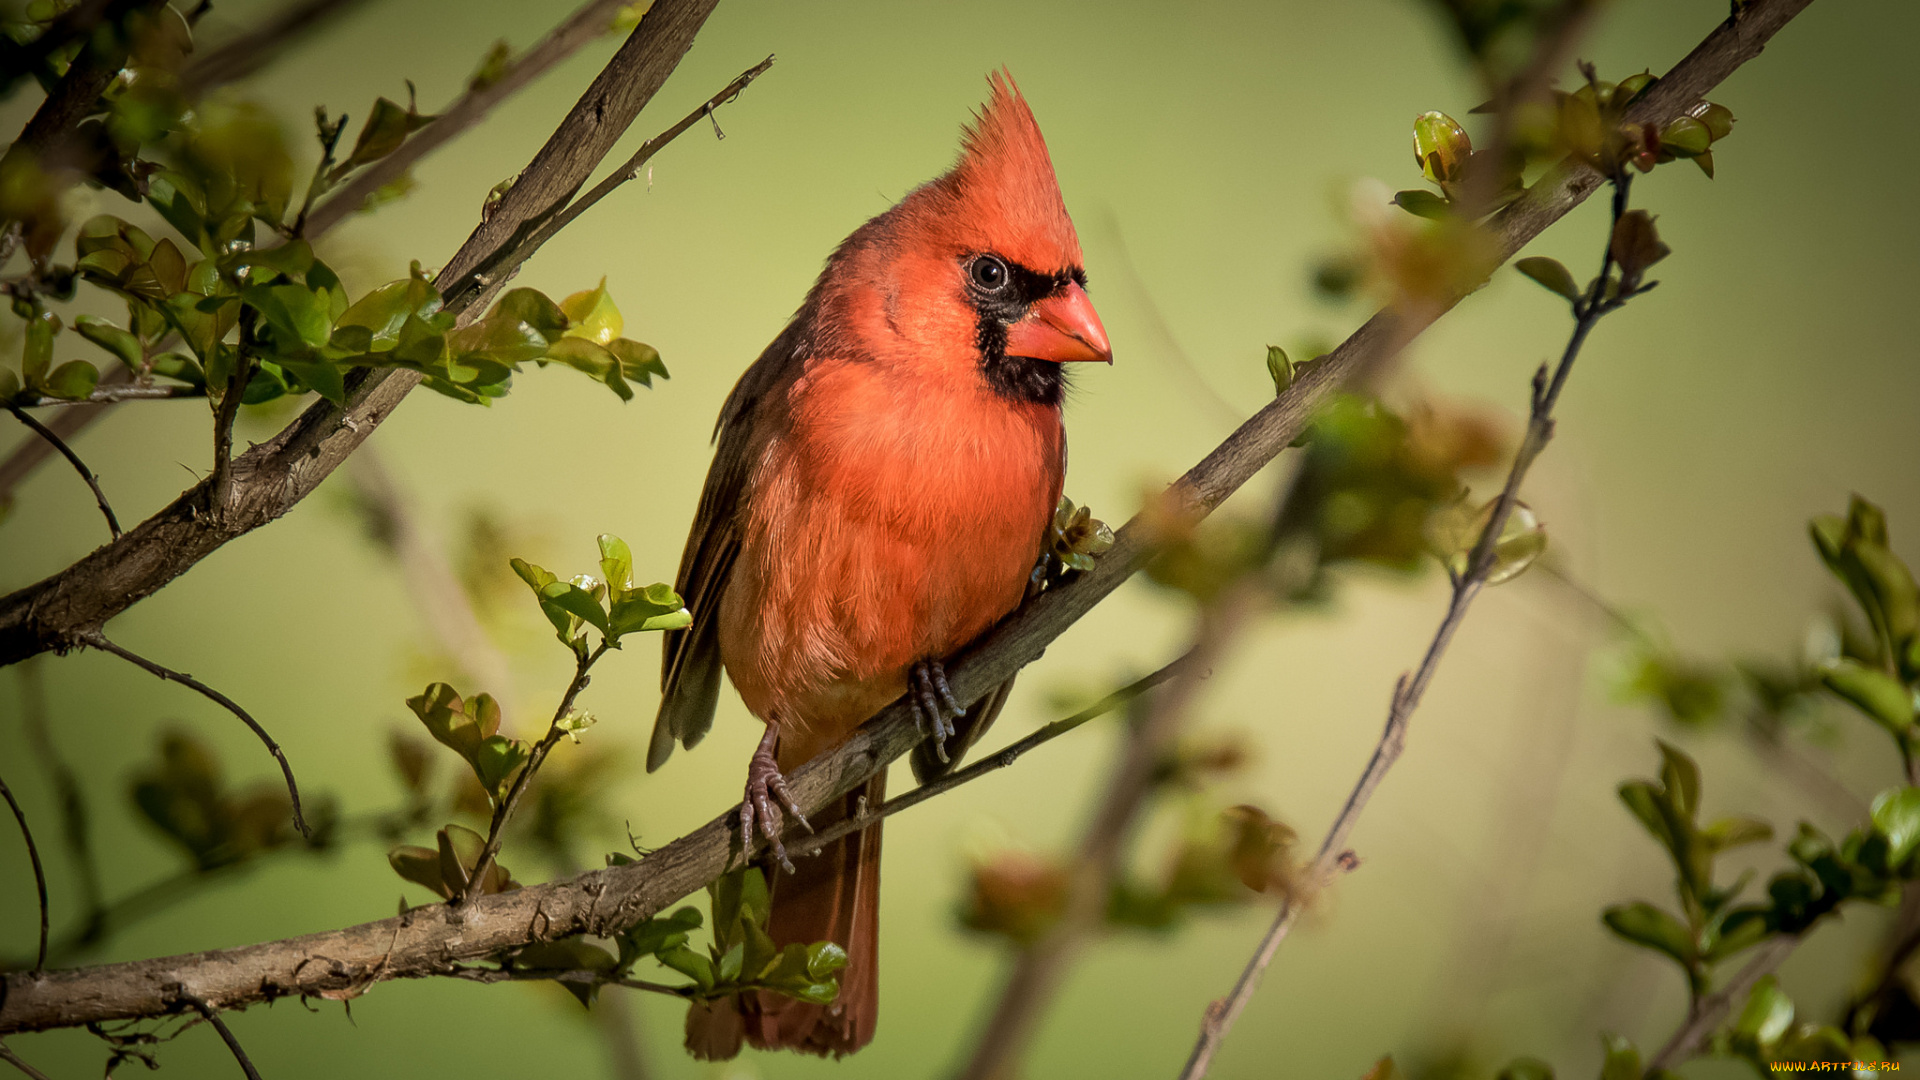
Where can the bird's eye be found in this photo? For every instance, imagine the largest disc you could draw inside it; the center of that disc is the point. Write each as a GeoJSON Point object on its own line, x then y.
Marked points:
{"type": "Point", "coordinates": [988, 272]}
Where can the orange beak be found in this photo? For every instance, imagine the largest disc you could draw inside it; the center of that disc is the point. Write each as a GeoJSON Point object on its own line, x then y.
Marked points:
{"type": "Point", "coordinates": [1062, 328]}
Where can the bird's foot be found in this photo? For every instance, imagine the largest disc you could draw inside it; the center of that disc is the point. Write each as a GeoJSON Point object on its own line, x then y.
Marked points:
{"type": "Point", "coordinates": [766, 795]}
{"type": "Point", "coordinates": [934, 706]}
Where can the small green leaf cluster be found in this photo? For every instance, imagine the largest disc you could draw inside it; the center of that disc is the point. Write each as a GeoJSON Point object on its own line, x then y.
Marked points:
{"type": "Point", "coordinates": [447, 868]}
{"type": "Point", "coordinates": [1075, 537]}
{"type": "Point", "coordinates": [185, 796]}
{"type": "Point", "coordinates": [470, 727]}
{"type": "Point", "coordinates": [1589, 124]}
{"type": "Point", "coordinates": [613, 605]}
{"type": "Point", "coordinates": [1765, 1033]}
{"type": "Point", "coordinates": [1711, 926]}
{"type": "Point", "coordinates": [742, 957]}
{"type": "Point", "coordinates": [1884, 683]}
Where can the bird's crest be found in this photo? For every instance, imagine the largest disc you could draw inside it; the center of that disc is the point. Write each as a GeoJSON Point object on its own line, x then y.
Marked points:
{"type": "Point", "coordinates": [1004, 183]}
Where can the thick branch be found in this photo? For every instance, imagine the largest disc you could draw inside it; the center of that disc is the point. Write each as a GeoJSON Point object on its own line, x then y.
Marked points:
{"type": "Point", "coordinates": [271, 478]}
{"type": "Point", "coordinates": [426, 941]}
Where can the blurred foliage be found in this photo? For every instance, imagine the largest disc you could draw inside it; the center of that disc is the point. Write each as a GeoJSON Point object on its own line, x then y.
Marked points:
{"type": "Point", "coordinates": [184, 794]}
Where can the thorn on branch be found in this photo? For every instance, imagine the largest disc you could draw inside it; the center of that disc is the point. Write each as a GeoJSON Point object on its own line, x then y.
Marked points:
{"type": "Point", "coordinates": [95, 639]}
{"type": "Point", "coordinates": [113, 523]}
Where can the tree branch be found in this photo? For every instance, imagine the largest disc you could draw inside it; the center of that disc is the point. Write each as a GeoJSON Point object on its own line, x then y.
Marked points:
{"type": "Point", "coordinates": [97, 640]}
{"type": "Point", "coordinates": [7, 1055]}
{"type": "Point", "coordinates": [589, 21]}
{"type": "Point", "coordinates": [1039, 968]}
{"type": "Point", "coordinates": [226, 1036]}
{"type": "Point", "coordinates": [39, 872]}
{"type": "Point", "coordinates": [93, 482]}
{"type": "Point", "coordinates": [107, 395]}
{"type": "Point", "coordinates": [242, 56]}
{"type": "Point", "coordinates": [1480, 564]}
{"type": "Point", "coordinates": [604, 901]}
{"type": "Point", "coordinates": [271, 478]}
{"type": "Point", "coordinates": [1713, 1008]}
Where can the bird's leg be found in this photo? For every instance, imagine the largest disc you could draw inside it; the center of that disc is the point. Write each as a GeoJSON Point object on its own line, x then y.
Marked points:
{"type": "Point", "coordinates": [766, 794]}
{"type": "Point", "coordinates": [934, 706]}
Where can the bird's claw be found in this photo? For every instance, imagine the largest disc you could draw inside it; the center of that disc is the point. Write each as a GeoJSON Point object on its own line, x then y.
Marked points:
{"type": "Point", "coordinates": [934, 706]}
{"type": "Point", "coordinates": [765, 798]}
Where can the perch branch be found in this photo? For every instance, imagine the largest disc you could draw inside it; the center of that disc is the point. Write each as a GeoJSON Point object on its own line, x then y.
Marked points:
{"type": "Point", "coordinates": [605, 901]}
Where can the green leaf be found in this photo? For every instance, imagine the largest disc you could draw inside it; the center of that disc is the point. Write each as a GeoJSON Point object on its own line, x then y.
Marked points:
{"type": "Point", "coordinates": [689, 963]}
{"type": "Point", "coordinates": [1686, 137]}
{"type": "Point", "coordinates": [1526, 1068]}
{"type": "Point", "coordinates": [1623, 1058]}
{"type": "Point", "coordinates": [386, 309]}
{"type": "Point", "coordinates": [1743, 928]}
{"type": "Point", "coordinates": [420, 866]}
{"type": "Point", "coordinates": [387, 127]}
{"type": "Point", "coordinates": [1896, 816]}
{"type": "Point", "coordinates": [593, 359]}
{"type": "Point", "coordinates": [593, 316]}
{"type": "Point", "coordinates": [1651, 928]}
{"type": "Point", "coordinates": [616, 563]}
{"type": "Point", "coordinates": [295, 310]}
{"type": "Point", "coordinates": [1550, 273]}
{"type": "Point", "coordinates": [1882, 697]}
{"type": "Point", "coordinates": [325, 379]}
{"type": "Point", "coordinates": [1440, 146]}
{"type": "Point", "coordinates": [1280, 368]}
{"type": "Point", "coordinates": [1681, 776]}
{"type": "Point", "coordinates": [265, 385]}
{"type": "Point", "coordinates": [36, 353]}
{"type": "Point", "coordinates": [71, 381]}
{"type": "Point", "coordinates": [657, 607]}
{"type": "Point", "coordinates": [639, 362]}
{"type": "Point", "coordinates": [1766, 1016]}
{"type": "Point", "coordinates": [293, 258]}
{"type": "Point", "coordinates": [1423, 203]}
{"type": "Point", "coordinates": [532, 307]}
{"type": "Point", "coordinates": [495, 761]}
{"type": "Point", "coordinates": [575, 601]}
{"type": "Point", "coordinates": [121, 343]}
{"type": "Point", "coordinates": [1735, 831]}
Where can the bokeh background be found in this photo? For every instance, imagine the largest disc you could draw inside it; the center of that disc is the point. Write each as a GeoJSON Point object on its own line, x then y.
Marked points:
{"type": "Point", "coordinates": [1208, 152]}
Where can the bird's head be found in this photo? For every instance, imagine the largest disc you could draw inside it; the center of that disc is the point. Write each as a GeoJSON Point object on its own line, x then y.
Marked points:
{"type": "Point", "coordinates": [979, 269]}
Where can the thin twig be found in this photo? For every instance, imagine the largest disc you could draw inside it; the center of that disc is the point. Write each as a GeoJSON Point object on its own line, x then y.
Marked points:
{"type": "Point", "coordinates": [476, 878]}
{"type": "Point", "coordinates": [994, 762]}
{"type": "Point", "coordinates": [329, 142]}
{"type": "Point", "coordinates": [220, 483]}
{"type": "Point", "coordinates": [588, 22]}
{"type": "Point", "coordinates": [1712, 1009]}
{"type": "Point", "coordinates": [226, 1035]}
{"type": "Point", "coordinates": [491, 275]}
{"type": "Point", "coordinates": [7, 1055]}
{"type": "Point", "coordinates": [1480, 564]}
{"type": "Point", "coordinates": [234, 60]}
{"type": "Point", "coordinates": [100, 497]}
{"type": "Point", "coordinates": [107, 395]}
{"type": "Point", "coordinates": [97, 640]}
{"type": "Point", "coordinates": [39, 872]}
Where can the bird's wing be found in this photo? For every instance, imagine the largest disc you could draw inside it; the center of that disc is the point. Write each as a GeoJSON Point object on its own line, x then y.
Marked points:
{"type": "Point", "coordinates": [690, 657]}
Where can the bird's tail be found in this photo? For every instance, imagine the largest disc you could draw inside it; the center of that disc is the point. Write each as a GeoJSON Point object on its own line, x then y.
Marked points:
{"type": "Point", "coordinates": [835, 897]}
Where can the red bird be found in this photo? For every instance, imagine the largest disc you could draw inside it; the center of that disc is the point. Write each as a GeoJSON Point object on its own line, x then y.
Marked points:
{"type": "Point", "coordinates": [883, 482]}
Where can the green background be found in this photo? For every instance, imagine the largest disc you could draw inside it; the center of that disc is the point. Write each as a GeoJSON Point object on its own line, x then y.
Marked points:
{"type": "Point", "coordinates": [1207, 151]}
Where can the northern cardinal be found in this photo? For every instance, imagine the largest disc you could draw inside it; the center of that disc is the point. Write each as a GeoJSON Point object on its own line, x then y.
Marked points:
{"type": "Point", "coordinates": [879, 497]}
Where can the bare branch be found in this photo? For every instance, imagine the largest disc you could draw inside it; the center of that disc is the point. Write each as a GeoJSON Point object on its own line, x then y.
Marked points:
{"type": "Point", "coordinates": [272, 477]}
{"type": "Point", "coordinates": [423, 941]}
{"type": "Point", "coordinates": [39, 872]}
{"type": "Point", "coordinates": [1480, 564]}
{"type": "Point", "coordinates": [7, 1055]}
{"type": "Point", "coordinates": [53, 440]}
{"type": "Point", "coordinates": [591, 20]}
{"type": "Point", "coordinates": [110, 394]}
{"type": "Point", "coordinates": [1712, 1009]}
{"type": "Point", "coordinates": [97, 640]}
{"type": "Point", "coordinates": [1000, 759]}
{"type": "Point", "coordinates": [234, 60]}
